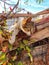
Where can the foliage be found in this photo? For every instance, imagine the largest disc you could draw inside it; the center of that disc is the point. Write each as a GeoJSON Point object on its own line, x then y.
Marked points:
{"type": "Point", "coordinates": [3, 58]}
{"type": "Point", "coordinates": [20, 63]}
{"type": "Point", "coordinates": [31, 58]}
{"type": "Point", "coordinates": [39, 1]}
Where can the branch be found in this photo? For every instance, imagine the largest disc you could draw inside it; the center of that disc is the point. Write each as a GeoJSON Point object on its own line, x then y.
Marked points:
{"type": "Point", "coordinates": [16, 6]}
{"type": "Point", "coordinates": [7, 3]}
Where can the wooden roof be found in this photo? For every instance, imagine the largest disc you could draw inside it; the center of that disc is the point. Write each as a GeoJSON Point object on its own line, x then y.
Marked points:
{"type": "Point", "coordinates": [43, 21]}
{"type": "Point", "coordinates": [14, 15]}
{"type": "Point", "coordinates": [46, 11]}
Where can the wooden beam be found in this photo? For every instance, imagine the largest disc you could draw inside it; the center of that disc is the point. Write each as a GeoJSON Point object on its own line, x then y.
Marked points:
{"type": "Point", "coordinates": [14, 15]}
{"type": "Point", "coordinates": [39, 35]}
{"type": "Point", "coordinates": [46, 11]}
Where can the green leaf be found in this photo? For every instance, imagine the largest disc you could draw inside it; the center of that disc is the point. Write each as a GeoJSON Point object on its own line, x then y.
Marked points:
{"type": "Point", "coordinates": [25, 41]}
{"type": "Point", "coordinates": [28, 49]}
{"type": "Point", "coordinates": [2, 57]}
{"type": "Point", "coordinates": [10, 46]}
{"type": "Point", "coordinates": [32, 40]}
{"type": "Point", "coordinates": [39, 1]}
{"type": "Point", "coordinates": [30, 57]}
{"type": "Point", "coordinates": [9, 64]}
{"type": "Point", "coordinates": [5, 23]}
{"type": "Point", "coordinates": [21, 46]}
{"type": "Point", "coordinates": [20, 63]}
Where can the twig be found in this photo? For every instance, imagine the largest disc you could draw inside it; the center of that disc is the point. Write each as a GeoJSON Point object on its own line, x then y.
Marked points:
{"type": "Point", "coordinates": [8, 13]}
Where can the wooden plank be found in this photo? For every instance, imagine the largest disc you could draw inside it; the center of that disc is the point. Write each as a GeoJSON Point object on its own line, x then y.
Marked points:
{"type": "Point", "coordinates": [39, 35]}
{"type": "Point", "coordinates": [15, 15]}
{"type": "Point", "coordinates": [46, 11]}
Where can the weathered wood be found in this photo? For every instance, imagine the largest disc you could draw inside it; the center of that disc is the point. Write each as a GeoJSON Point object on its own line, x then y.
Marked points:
{"type": "Point", "coordinates": [41, 34]}
{"type": "Point", "coordinates": [46, 11]}
{"type": "Point", "coordinates": [15, 15]}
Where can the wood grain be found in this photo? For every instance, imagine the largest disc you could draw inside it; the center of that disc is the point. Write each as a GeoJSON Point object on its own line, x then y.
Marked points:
{"type": "Point", "coordinates": [41, 34]}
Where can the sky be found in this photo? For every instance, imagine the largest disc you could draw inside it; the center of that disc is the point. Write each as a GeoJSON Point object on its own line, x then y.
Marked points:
{"type": "Point", "coordinates": [31, 6]}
